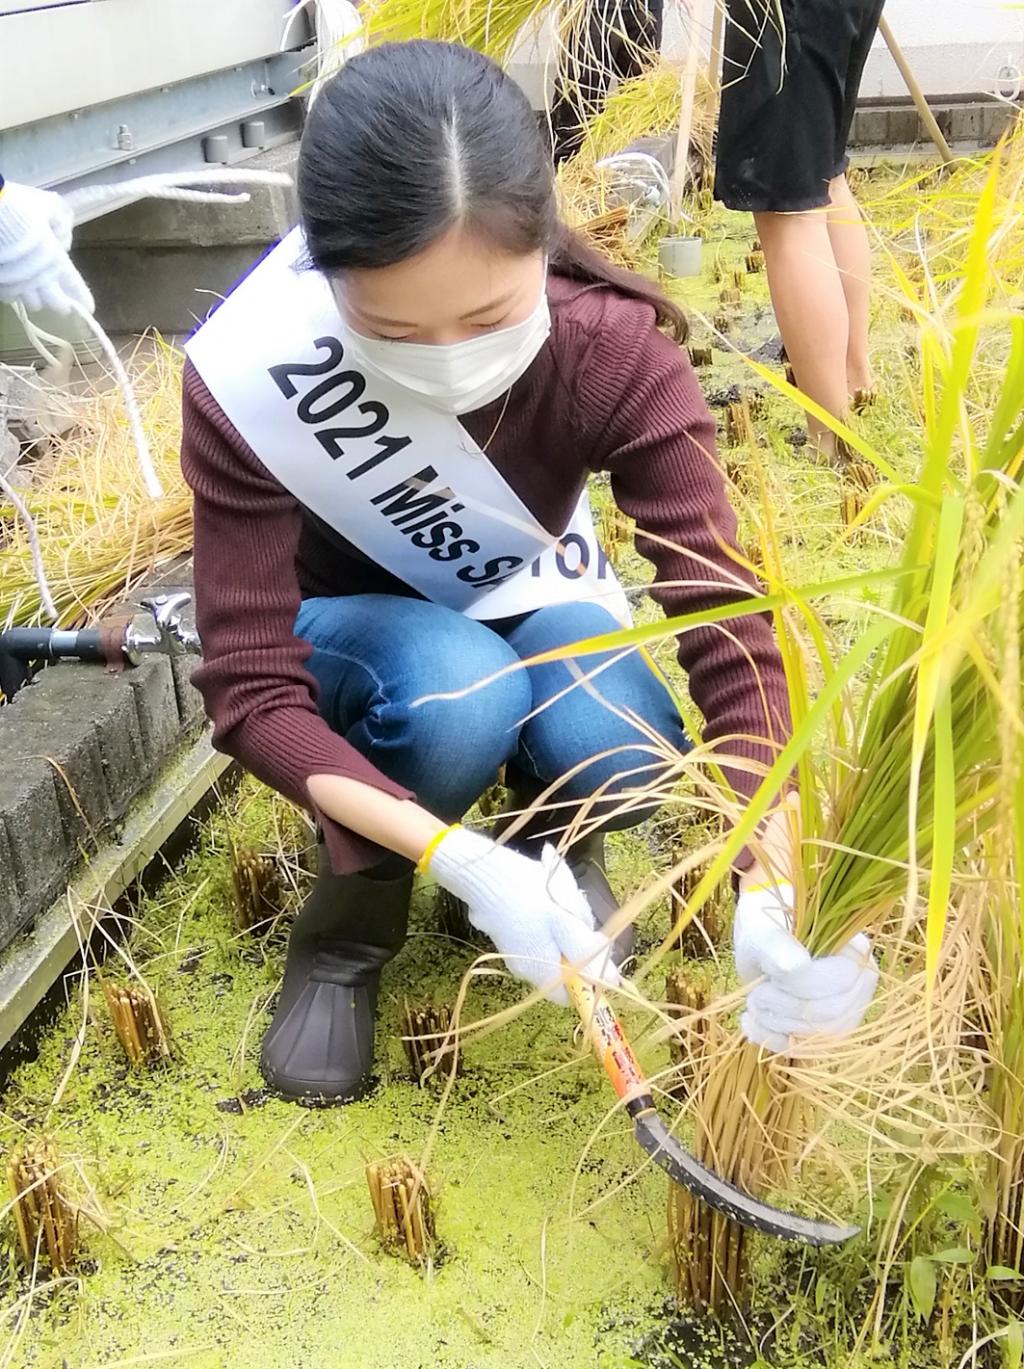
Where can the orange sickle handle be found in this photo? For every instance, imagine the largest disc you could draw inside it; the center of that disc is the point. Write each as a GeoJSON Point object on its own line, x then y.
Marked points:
{"type": "Point", "coordinates": [607, 1038]}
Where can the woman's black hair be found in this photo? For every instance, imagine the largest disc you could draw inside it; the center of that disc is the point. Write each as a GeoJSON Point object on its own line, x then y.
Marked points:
{"type": "Point", "coordinates": [409, 140]}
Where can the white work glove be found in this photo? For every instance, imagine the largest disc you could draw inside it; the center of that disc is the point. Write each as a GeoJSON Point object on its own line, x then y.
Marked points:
{"type": "Point", "coordinates": [35, 237]}
{"type": "Point", "coordinates": [533, 910]}
{"type": "Point", "coordinates": [800, 995]}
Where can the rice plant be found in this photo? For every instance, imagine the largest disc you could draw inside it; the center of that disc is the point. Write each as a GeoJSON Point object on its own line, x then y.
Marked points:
{"type": "Point", "coordinates": [46, 1221]}
{"type": "Point", "coordinates": [489, 27]}
{"type": "Point", "coordinates": [895, 743]}
{"type": "Point", "coordinates": [402, 1208]}
{"type": "Point", "coordinates": [1003, 966]}
{"type": "Point", "coordinates": [645, 107]}
{"type": "Point", "coordinates": [912, 715]}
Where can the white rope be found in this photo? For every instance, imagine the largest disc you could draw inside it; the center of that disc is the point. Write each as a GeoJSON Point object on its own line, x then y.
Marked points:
{"type": "Point", "coordinates": [167, 186]}
{"type": "Point", "coordinates": [42, 584]}
{"type": "Point", "coordinates": [39, 337]}
{"type": "Point", "coordinates": [174, 185]}
{"type": "Point", "coordinates": [153, 486]}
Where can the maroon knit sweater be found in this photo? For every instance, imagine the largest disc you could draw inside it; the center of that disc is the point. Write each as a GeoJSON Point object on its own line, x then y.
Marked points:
{"type": "Point", "coordinates": [608, 392]}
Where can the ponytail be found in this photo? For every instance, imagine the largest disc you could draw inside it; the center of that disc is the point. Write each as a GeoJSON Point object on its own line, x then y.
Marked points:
{"type": "Point", "coordinates": [574, 258]}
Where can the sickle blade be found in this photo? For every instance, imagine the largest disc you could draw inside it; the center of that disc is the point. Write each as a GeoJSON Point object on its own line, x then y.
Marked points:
{"type": "Point", "coordinates": [682, 1167]}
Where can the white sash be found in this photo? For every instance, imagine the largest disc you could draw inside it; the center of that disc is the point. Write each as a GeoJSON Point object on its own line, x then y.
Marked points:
{"type": "Point", "coordinates": [403, 482]}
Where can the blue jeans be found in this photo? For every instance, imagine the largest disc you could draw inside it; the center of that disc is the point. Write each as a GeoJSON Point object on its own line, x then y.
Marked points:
{"type": "Point", "coordinates": [376, 655]}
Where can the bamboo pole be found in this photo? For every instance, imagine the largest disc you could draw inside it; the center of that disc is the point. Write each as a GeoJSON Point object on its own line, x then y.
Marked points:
{"type": "Point", "coordinates": [715, 60]}
{"type": "Point", "coordinates": [918, 95]}
{"type": "Point", "coordinates": [680, 170]}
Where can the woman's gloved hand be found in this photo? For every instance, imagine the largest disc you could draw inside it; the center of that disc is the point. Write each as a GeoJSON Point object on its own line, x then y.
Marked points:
{"type": "Point", "coordinates": [800, 995]}
{"type": "Point", "coordinates": [35, 237]}
{"type": "Point", "coordinates": [533, 910]}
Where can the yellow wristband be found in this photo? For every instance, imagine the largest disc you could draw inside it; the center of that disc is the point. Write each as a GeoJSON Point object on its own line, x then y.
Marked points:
{"type": "Point", "coordinates": [759, 888]}
{"type": "Point", "coordinates": [423, 864]}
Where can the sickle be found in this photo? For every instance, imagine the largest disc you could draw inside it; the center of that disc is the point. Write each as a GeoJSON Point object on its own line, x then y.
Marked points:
{"type": "Point", "coordinates": [630, 1083]}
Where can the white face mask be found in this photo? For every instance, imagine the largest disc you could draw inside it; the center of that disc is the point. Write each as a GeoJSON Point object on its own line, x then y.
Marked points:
{"type": "Point", "coordinates": [458, 377]}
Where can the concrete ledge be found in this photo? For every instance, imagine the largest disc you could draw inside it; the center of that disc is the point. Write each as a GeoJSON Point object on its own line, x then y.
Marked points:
{"type": "Point", "coordinates": [99, 709]}
{"type": "Point", "coordinates": [156, 703]}
{"type": "Point", "coordinates": [79, 746]}
{"type": "Point", "coordinates": [10, 896]}
{"type": "Point", "coordinates": [33, 963]}
{"type": "Point", "coordinates": [972, 124]}
{"type": "Point", "coordinates": [163, 263]}
{"type": "Point", "coordinates": [171, 289]}
{"type": "Point", "coordinates": [269, 211]}
{"type": "Point", "coordinates": [40, 853]}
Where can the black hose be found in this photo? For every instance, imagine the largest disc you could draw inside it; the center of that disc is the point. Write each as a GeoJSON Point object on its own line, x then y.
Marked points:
{"type": "Point", "coordinates": [52, 644]}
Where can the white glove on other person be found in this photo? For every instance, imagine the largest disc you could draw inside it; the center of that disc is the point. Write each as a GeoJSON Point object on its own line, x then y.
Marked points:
{"type": "Point", "coordinates": [533, 910]}
{"type": "Point", "coordinates": [35, 237]}
{"type": "Point", "coordinates": [800, 995]}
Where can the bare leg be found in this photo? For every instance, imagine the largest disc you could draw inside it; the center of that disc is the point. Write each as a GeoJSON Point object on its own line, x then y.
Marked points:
{"type": "Point", "coordinates": [852, 252]}
{"type": "Point", "coordinates": [810, 307]}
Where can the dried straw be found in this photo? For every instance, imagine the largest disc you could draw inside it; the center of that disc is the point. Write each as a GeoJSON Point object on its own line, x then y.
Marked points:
{"type": "Point", "coordinates": [138, 1023]}
{"type": "Point", "coordinates": [430, 1042]}
{"type": "Point", "coordinates": [402, 1208]}
{"type": "Point", "coordinates": [46, 1221]}
{"type": "Point", "coordinates": [99, 530]}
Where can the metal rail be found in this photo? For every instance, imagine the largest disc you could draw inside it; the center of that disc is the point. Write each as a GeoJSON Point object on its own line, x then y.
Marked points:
{"type": "Point", "coordinates": [145, 86]}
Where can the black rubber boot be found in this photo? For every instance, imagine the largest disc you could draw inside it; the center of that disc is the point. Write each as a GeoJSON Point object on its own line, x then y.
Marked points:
{"type": "Point", "coordinates": [319, 1047]}
{"type": "Point", "coordinates": [585, 858]}
{"type": "Point", "coordinates": [586, 861]}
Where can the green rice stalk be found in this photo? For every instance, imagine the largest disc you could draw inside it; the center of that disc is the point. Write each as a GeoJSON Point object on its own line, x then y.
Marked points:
{"type": "Point", "coordinates": [920, 776]}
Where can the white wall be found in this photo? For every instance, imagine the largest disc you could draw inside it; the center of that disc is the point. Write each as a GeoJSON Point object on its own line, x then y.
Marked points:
{"type": "Point", "coordinates": [954, 46]}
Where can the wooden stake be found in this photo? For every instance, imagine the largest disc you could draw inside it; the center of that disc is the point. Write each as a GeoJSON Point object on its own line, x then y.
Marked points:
{"type": "Point", "coordinates": [681, 166]}
{"type": "Point", "coordinates": [755, 262]}
{"type": "Point", "coordinates": [715, 58]}
{"type": "Point", "coordinates": [701, 356]}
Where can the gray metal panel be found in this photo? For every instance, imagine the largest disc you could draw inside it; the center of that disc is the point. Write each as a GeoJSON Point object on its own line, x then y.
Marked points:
{"type": "Point", "coordinates": [166, 129]}
{"type": "Point", "coordinates": [55, 60]}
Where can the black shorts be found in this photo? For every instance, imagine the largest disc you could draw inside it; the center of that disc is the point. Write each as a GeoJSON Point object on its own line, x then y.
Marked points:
{"type": "Point", "coordinates": [790, 77]}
